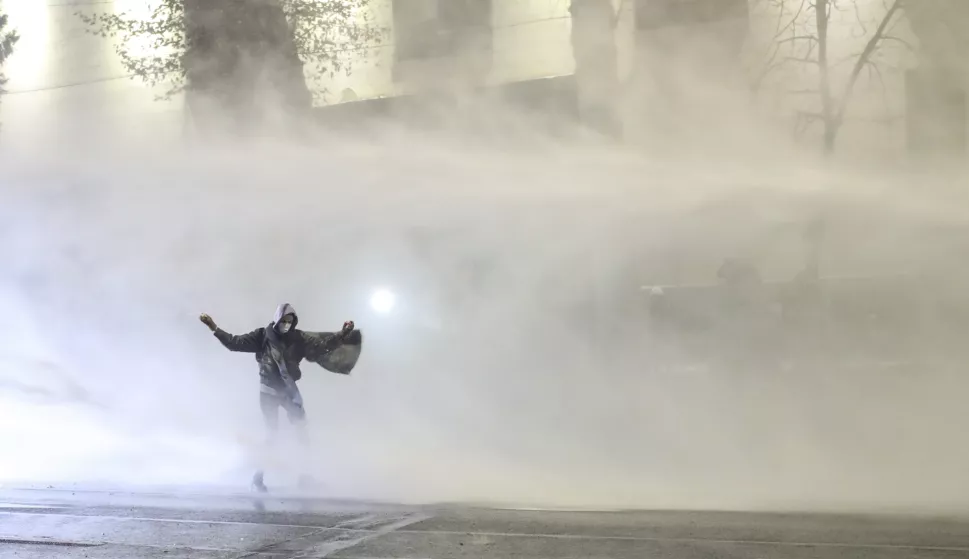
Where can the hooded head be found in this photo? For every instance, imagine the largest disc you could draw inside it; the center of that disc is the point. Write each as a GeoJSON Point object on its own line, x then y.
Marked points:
{"type": "Point", "coordinates": [285, 319]}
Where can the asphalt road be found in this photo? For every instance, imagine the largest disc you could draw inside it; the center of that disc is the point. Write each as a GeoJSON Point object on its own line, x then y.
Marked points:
{"type": "Point", "coordinates": [52, 523]}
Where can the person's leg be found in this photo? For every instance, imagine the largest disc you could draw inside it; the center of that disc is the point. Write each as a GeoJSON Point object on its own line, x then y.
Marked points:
{"type": "Point", "coordinates": [269, 405]}
{"type": "Point", "coordinates": [297, 418]}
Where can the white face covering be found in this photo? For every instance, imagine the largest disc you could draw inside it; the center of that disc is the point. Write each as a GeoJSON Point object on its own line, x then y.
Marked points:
{"type": "Point", "coordinates": [284, 327]}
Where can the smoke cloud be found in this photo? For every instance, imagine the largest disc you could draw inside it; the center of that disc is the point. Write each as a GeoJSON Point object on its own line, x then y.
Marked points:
{"type": "Point", "coordinates": [514, 367]}
{"type": "Point", "coordinates": [518, 364]}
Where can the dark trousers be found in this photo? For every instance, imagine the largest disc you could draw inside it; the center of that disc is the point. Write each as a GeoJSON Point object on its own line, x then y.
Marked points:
{"type": "Point", "coordinates": [270, 404]}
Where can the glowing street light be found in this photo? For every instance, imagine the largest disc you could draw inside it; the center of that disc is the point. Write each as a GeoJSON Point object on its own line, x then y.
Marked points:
{"type": "Point", "coordinates": [383, 301]}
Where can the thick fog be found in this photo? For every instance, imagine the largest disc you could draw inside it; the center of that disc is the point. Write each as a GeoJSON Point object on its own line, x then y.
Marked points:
{"type": "Point", "coordinates": [517, 364]}
{"type": "Point", "coordinates": [489, 379]}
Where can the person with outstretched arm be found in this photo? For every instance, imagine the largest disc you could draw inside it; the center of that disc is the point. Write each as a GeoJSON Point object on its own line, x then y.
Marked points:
{"type": "Point", "coordinates": [279, 348]}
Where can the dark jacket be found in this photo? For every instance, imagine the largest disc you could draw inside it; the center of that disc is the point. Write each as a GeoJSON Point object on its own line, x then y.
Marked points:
{"type": "Point", "coordinates": [279, 355]}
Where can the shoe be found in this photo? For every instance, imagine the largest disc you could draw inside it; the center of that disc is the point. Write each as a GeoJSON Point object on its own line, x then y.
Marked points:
{"type": "Point", "coordinates": [258, 484]}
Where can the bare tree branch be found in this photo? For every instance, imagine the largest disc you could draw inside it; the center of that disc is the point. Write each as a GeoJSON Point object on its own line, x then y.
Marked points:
{"type": "Point", "coordinates": [792, 22]}
{"type": "Point", "coordinates": [796, 38]}
{"type": "Point", "coordinates": [804, 120]}
{"type": "Point", "coordinates": [808, 42]}
{"type": "Point", "coordinates": [894, 39]}
{"type": "Point", "coordinates": [863, 59]}
{"type": "Point", "coordinates": [803, 60]}
{"type": "Point", "coordinates": [860, 20]}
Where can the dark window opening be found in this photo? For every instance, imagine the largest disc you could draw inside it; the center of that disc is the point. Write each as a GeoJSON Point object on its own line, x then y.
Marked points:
{"type": "Point", "coordinates": [426, 29]}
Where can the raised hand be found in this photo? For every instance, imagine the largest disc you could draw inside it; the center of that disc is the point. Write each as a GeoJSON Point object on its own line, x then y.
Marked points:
{"type": "Point", "coordinates": [207, 320]}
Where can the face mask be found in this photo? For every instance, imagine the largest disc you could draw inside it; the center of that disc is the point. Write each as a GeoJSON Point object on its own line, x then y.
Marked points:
{"type": "Point", "coordinates": [284, 327]}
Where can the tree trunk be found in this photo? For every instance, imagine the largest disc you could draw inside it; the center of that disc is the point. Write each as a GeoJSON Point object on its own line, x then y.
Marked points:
{"type": "Point", "coordinates": [821, 14]}
{"type": "Point", "coordinates": [242, 66]}
{"type": "Point", "coordinates": [830, 137]}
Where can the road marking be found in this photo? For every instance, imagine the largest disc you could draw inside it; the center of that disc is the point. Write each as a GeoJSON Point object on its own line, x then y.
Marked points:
{"type": "Point", "coordinates": [399, 527]}
{"type": "Point", "coordinates": [660, 539]}
{"type": "Point", "coordinates": [268, 548]}
{"type": "Point", "coordinates": [348, 537]}
{"type": "Point", "coordinates": [337, 526]}
{"type": "Point", "coordinates": [326, 548]}
{"type": "Point", "coordinates": [110, 543]}
{"type": "Point", "coordinates": [42, 541]}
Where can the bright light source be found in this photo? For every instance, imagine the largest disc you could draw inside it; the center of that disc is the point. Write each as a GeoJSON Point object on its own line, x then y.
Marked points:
{"type": "Point", "coordinates": [383, 301]}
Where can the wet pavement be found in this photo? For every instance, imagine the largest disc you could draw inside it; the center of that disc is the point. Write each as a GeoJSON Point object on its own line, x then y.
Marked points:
{"type": "Point", "coordinates": [54, 523]}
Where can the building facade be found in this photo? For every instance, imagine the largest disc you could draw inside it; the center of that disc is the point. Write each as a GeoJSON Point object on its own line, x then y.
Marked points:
{"type": "Point", "coordinates": [937, 116]}
{"type": "Point", "coordinates": [67, 84]}
{"type": "Point", "coordinates": [673, 59]}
